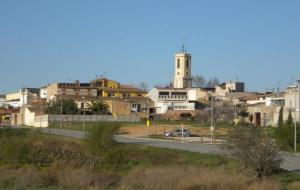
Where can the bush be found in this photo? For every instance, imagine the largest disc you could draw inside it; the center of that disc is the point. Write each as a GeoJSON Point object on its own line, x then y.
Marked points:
{"type": "Point", "coordinates": [100, 138]}
{"type": "Point", "coordinates": [284, 136]}
{"type": "Point", "coordinates": [13, 146]}
{"type": "Point", "coordinates": [254, 150]}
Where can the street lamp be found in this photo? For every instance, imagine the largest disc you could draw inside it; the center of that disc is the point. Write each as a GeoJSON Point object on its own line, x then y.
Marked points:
{"type": "Point", "coordinates": [61, 112]}
{"type": "Point", "coordinates": [83, 124]}
{"type": "Point", "coordinates": [147, 112]}
{"type": "Point", "coordinates": [295, 132]}
{"type": "Point", "coordinates": [211, 120]}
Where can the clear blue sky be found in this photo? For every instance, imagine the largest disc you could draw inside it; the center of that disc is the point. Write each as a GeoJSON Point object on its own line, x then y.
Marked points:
{"type": "Point", "coordinates": [133, 41]}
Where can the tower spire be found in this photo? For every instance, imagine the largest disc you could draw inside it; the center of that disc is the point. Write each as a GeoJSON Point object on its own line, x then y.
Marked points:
{"type": "Point", "coordinates": [183, 49]}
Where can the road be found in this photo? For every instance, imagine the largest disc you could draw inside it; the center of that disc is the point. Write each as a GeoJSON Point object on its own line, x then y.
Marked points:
{"type": "Point", "coordinates": [291, 162]}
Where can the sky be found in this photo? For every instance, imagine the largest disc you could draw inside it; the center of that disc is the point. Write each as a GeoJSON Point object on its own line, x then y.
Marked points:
{"type": "Point", "coordinates": [133, 41]}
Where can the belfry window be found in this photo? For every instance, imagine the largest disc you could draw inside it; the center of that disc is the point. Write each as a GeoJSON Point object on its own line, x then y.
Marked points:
{"type": "Point", "coordinates": [178, 63]}
{"type": "Point", "coordinates": [187, 63]}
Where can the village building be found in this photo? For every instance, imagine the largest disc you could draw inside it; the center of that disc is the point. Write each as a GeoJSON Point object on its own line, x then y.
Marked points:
{"type": "Point", "coordinates": [109, 88]}
{"type": "Point", "coordinates": [181, 96]}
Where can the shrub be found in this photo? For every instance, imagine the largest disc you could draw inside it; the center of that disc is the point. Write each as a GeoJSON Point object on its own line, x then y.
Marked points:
{"type": "Point", "coordinates": [13, 146]}
{"type": "Point", "coordinates": [100, 138]}
{"type": "Point", "coordinates": [254, 150]}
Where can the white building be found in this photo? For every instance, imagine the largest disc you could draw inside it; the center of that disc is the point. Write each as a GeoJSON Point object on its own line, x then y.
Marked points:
{"type": "Point", "coordinates": [229, 87]}
{"type": "Point", "coordinates": [13, 100]}
{"type": "Point", "coordinates": [43, 92]}
{"type": "Point", "coordinates": [26, 94]}
{"type": "Point", "coordinates": [2, 101]}
{"type": "Point", "coordinates": [170, 99]}
{"type": "Point", "coordinates": [183, 70]}
{"type": "Point", "coordinates": [291, 97]}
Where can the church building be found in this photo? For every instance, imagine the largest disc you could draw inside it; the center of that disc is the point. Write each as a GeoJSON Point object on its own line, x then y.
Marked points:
{"type": "Point", "coordinates": [181, 96]}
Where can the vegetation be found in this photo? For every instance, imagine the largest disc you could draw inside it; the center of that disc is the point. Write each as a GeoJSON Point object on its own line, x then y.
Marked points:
{"type": "Point", "coordinates": [280, 117]}
{"type": "Point", "coordinates": [98, 107]}
{"type": "Point", "coordinates": [58, 106]}
{"type": "Point", "coordinates": [31, 160]}
{"type": "Point", "coordinates": [200, 82]}
{"type": "Point", "coordinates": [254, 150]}
{"type": "Point", "coordinates": [285, 135]}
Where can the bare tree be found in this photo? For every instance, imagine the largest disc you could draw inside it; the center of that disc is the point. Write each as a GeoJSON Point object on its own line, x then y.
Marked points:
{"type": "Point", "coordinates": [198, 81]}
{"type": "Point", "coordinates": [212, 82]}
{"type": "Point", "coordinates": [254, 150]}
{"type": "Point", "coordinates": [143, 86]}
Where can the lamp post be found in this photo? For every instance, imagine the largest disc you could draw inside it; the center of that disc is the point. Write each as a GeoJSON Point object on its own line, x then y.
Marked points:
{"type": "Point", "coordinates": [83, 123]}
{"type": "Point", "coordinates": [235, 114]}
{"type": "Point", "coordinates": [148, 122]}
{"type": "Point", "coordinates": [211, 120]}
{"type": "Point", "coordinates": [61, 112]}
{"type": "Point", "coordinates": [295, 132]}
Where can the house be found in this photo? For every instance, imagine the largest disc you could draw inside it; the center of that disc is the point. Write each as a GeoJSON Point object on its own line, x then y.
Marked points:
{"type": "Point", "coordinates": [30, 115]}
{"type": "Point", "coordinates": [13, 99]}
{"type": "Point", "coordinates": [27, 94]}
{"type": "Point", "coordinates": [265, 109]}
{"type": "Point", "coordinates": [172, 99]}
{"type": "Point", "coordinates": [291, 96]}
{"type": "Point", "coordinates": [69, 90]}
{"type": "Point", "coordinates": [109, 88]}
{"type": "Point", "coordinates": [181, 96]}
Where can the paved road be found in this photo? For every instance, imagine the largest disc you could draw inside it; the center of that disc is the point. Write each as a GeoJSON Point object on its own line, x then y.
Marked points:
{"type": "Point", "coordinates": [291, 162]}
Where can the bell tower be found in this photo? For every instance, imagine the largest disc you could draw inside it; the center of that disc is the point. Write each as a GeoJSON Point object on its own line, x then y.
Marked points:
{"type": "Point", "coordinates": [183, 69]}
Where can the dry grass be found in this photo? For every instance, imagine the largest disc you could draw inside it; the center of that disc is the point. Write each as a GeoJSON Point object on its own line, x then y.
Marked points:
{"type": "Point", "coordinates": [191, 179]}
{"type": "Point", "coordinates": [294, 186]}
{"type": "Point", "coordinates": [67, 177]}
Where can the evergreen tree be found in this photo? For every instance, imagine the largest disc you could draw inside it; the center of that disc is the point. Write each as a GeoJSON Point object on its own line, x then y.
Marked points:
{"type": "Point", "coordinates": [280, 117]}
{"type": "Point", "coordinates": [290, 122]}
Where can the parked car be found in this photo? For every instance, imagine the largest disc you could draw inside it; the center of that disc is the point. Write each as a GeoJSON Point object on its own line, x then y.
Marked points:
{"type": "Point", "coordinates": [178, 133]}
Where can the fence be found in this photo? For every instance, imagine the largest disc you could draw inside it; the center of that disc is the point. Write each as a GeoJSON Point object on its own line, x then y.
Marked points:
{"type": "Point", "coordinates": [93, 118]}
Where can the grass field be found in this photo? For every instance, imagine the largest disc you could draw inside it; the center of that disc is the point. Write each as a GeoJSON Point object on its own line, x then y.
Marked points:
{"type": "Point", "coordinates": [51, 162]}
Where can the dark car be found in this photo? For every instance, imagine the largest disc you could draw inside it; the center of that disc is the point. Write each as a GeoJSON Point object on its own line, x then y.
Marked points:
{"type": "Point", "coordinates": [178, 133]}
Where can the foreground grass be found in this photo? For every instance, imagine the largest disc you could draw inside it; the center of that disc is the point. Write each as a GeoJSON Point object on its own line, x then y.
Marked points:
{"type": "Point", "coordinates": [100, 163]}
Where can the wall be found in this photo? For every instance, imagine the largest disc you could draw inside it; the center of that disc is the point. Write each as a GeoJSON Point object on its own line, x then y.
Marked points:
{"type": "Point", "coordinates": [81, 118]}
{"type": "Point", "coordinates": [13, 96]}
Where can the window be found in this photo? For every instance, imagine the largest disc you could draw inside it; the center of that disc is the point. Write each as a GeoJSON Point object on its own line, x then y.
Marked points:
{"type": "Point", "coordinates": [178, 73]}
{"type": "Point", "coordinates": [178, 63]}
{"type": "Point", "coordinates": [187, 63]}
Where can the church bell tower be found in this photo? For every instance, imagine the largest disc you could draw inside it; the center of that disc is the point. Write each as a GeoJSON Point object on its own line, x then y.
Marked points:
{"type": "Point", "coordinates": [183, 70]}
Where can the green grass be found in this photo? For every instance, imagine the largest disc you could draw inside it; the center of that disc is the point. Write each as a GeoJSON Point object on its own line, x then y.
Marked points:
{"type": "Point", "coordinates": [118, 160]}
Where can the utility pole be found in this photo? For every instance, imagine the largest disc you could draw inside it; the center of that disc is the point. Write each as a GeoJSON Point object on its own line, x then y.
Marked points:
{"type": "Point", "coordinates": [295, 137]}
{"type": "Point", "coordinates": [148, 122]}
{"type": "Point", "coordinates": [61, 110]}
{"type": "Point", "coordinates": [235, 121]}
{"type": "Point", "coordinates": [83, 124]}
{"type": "Point", "coordinates": [114, 106]}
{"type": "Point", "coordinates": [211, 120]}
{"type": "Point", "coordinates": [295, 132]}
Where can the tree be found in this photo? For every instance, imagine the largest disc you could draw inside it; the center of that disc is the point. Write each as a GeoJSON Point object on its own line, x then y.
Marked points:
{"type": "Point", "coordinates": [68, 107]}
{"type": "Point", "coordinates": [98, 107]}
{"type": "Point", "coordinates": [280, 117]}
{"type": "Point", "coordinates": [254, 150]}
{"type": "Point", "coordinates": [243, 114]}
{"type": "Point", "coordinates": [284, 133]}
{"type": "Point", "coordinates": [198, 81]}
{"type": "Point", "coordinates": [212, 82]}
{"type": "Point", "coordinates": [289, 121]}
{"type": "Point", "coordinates": [143, 86]}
